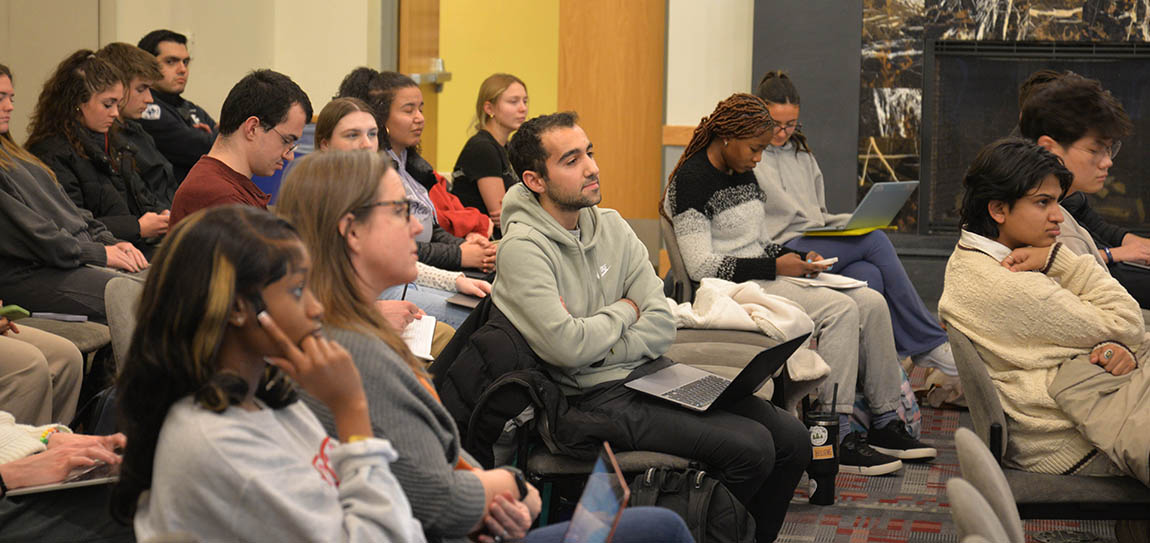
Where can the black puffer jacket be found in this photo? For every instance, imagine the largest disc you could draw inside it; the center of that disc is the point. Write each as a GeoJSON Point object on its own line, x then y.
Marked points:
{"type": "Point", "coordinates": [111, 191]}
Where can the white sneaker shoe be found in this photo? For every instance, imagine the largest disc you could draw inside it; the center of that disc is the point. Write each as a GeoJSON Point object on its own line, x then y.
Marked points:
{"type": "Point", "coordinates": [939, 357]}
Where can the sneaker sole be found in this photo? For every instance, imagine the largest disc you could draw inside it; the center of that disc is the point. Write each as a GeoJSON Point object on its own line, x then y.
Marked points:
{"type": "Point", "coordinates": [921, 453]}
{"type": "Point", "coordinates": [872, 471]}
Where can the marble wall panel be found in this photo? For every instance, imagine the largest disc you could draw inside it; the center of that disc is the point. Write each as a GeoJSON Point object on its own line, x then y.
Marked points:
{"type": "Point", "coordinates": [893, 35]}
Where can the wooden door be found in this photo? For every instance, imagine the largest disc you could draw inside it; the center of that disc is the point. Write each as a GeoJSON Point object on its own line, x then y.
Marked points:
{"type": "Point", "coordinates": [418, 51]}
{"type": "Point", "coordinates": [612, 72]}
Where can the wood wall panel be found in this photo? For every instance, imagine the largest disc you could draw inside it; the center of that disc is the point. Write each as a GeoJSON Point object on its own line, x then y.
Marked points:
{"type": "Point", "coordinates": [418, 44]}
{"type": "Point", "coordinates": [612, 58]}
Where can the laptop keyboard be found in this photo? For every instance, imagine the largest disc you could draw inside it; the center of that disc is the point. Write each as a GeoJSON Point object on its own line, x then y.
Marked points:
{"type": "Point", "coordinates": [699, 392]}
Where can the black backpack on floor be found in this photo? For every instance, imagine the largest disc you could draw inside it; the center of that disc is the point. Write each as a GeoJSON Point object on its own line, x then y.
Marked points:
{"type": "Point", "coordinates": [712, 513]}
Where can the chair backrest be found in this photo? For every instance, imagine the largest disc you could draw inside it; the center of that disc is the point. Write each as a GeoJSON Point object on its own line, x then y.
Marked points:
{"type": "Point", "coordinates": [980, 469]}
{"type": "Point", "coordinates": [121, 297]}
{"type": "Point", "coordinates": [981, 396]}
{"type": "Point", "coordinates": [971, 513]}
{"type": "Point", "coordinates": [678, 267]}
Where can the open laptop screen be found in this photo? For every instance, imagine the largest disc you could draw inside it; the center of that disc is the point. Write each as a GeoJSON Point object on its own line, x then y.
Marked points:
{"type": "Point", "coordinates": [599, 508]}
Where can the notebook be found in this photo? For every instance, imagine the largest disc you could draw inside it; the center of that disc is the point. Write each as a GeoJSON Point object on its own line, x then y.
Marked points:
{"type": "Point", "coordinates": [880, 205]}
{"type": "Point", "coordinates": [601, 505]}
{"type": "Point", "coordinates": [418, 336]}
{"type": "Point", "coordinates": [96, 474]}
{"type": "Point", "coordinates": [698, 389]}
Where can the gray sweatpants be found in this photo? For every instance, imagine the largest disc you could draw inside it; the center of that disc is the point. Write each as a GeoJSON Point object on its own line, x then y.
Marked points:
{"type": "Point", "coordinates": [855, 338]}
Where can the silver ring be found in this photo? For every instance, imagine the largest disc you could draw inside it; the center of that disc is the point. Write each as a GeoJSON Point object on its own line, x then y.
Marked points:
{"type": "Point", "coordinates": [1108, 354]}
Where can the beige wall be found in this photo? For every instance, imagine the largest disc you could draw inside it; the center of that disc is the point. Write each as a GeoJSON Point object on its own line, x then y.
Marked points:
{"type": "Point", "coordinates": [32, 53]}
{"type": "Point", "coordinates": [228, 38]}
{"type": "Point", "coordinates": [708, 55]}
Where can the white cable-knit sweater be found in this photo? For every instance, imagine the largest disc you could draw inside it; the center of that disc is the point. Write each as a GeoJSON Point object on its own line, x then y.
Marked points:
{"type": "Point", "coordinates": [1026, 325]}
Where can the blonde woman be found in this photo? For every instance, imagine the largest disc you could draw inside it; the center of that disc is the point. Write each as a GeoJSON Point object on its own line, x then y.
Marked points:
{"type": "Point", "coordinates": [351, 212]}
{"type": "Point", "coordinates": [483, 173]}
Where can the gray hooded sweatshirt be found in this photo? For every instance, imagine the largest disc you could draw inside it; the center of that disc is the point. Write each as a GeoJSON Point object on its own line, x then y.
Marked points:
{"type": "Point", "coordinates": [564, 293]}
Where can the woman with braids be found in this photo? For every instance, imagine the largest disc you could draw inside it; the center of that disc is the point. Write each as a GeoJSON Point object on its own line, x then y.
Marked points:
{"type": "Point", "coordinates": [717, 210]}
{"type": "Point", "coordinates": [73, 132]}
{"type": "Point", "coordinates": [218, 445]}
{"type": "Point", "coordinates": [793, 184]}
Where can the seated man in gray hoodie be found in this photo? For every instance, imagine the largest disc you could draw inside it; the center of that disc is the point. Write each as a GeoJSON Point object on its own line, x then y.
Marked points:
{"type": "Point", "coordinates": [578, 284]}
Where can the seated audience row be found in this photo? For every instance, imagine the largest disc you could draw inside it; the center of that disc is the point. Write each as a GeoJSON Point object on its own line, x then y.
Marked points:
{"type": "Point", "coordinates": [231, 424]}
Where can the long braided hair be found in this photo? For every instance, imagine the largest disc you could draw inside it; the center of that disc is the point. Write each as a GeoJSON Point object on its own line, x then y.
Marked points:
{"type": "Point", "coordinates": [740, 116]}
{"type": "Point", "coordinates": [776, 87]}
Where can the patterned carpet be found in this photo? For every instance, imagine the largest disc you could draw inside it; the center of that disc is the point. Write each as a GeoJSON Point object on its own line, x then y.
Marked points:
{"type": "Point", "coordinates": [910, 506]}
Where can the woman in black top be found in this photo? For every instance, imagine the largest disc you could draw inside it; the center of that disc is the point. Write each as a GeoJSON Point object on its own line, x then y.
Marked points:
{"type": "Point", "coordinates": [73, 132]}
{"type": "Point", "coordinates": [482, 172]}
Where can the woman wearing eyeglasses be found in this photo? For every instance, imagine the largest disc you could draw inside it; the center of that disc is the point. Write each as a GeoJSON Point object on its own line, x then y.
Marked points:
{"type": "Point", "coordinates": [793, 183]}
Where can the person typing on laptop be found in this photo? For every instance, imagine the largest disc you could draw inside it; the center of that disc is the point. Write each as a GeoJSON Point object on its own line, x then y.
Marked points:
{"type": "Point", "coordinates": [37, 455]}
{"type": "Point", "coordinates": [792, 183]}
{"type": "Point", "coordinates": [577, 283]}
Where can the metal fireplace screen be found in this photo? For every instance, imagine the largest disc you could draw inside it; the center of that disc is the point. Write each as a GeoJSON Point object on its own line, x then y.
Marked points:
{"type": "Point", "coordinates": [970, 98]}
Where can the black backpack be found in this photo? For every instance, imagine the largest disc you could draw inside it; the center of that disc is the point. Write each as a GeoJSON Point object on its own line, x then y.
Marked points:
{"type": "Point", "coordinates": [712, 513]}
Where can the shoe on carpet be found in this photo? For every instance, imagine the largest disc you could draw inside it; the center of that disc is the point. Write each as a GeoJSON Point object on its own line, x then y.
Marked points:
{"type": "Point", "coordinates": [894, 440]}
{"type": "Point", "coordinates": [939, 357]}
{"type": "Point", "coordinates": [856, 457]}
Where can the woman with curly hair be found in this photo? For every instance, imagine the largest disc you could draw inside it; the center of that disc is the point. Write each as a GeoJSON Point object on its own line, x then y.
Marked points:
{"type": "Point", "coordinates": [72, 131]}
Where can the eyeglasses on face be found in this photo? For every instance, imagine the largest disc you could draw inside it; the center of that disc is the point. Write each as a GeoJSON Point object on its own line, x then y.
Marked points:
{"type": "Point", "coordinates": [1097, 154]}
{"type": "Point", "coordinates": [401, 208]}
{"type": "Point", "coordinates": [289, 143]}
{"type": "Point", "coordinates": [789, 128]}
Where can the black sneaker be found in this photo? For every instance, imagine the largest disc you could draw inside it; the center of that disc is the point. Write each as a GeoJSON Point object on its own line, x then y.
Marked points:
{"type": "Point", "coordinates": [856, 457]}
{"type": "Point", "coordinates": [893, 439]}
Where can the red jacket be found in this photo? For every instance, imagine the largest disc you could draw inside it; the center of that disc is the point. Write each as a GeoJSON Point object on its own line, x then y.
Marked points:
{"type": "Point", "coordinates": [452, 216]}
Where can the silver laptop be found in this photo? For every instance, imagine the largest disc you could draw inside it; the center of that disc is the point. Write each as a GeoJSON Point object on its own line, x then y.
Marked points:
{"type": "Point", "coordinates": [96, 474]}
{"type": "Point", "coordinates": [698, 389]}
{"type": "Point", "coordinates": [880, 205]}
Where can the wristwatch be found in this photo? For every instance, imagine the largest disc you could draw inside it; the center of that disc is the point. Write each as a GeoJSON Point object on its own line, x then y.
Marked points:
{"type": "Point", "coordinates": [520, 481]}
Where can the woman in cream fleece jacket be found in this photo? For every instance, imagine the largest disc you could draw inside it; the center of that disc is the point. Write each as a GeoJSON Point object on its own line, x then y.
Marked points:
{"type": "Point", "coordinates": [1040, 315]}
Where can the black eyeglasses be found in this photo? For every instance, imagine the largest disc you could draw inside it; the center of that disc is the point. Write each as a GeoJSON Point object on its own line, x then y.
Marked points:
{"type": "Point", "coordinates": [402, 208]}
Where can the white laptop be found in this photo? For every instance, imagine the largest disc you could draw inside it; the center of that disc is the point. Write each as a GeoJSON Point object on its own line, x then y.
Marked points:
{"type": "Point", "coordinates": [880, 205]}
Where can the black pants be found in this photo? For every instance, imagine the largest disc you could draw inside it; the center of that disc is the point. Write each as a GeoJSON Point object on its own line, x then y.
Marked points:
{"type": "Point", "coordinates": [1136, 281]}
{"type": "Point", "coordinates": [75, 515]}
{"type": "Point", "coordinates": [756, 449]}
{"type": "Point", "coordinates": [78, 291]}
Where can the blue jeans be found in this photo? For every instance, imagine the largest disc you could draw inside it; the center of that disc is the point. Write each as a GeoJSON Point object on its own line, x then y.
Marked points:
{"type": "Point", "coordinates": [872, 258]}
{"type": "Point", "coordinates": [637, 525]}
{"type": "Point", "coordinates": [432, 301]}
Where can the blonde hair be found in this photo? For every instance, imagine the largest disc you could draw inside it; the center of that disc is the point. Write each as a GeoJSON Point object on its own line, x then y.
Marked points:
{"type": "Point", "coordinates": [492, 88]}
{"type": "Point", "coordinates": [318, 192]}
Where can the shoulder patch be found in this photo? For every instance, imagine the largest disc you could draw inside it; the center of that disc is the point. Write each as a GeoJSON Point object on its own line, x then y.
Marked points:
{"type": "Point", "coordinates": [151, 113]}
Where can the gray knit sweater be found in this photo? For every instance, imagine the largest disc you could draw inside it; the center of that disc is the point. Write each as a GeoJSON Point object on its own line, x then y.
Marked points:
{"type": "Point", "coordinates": [448, 502]}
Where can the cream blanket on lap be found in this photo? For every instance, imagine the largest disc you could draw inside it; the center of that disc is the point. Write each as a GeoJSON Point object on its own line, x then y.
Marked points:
{"type": "Point", "coordinates": [723, 305]}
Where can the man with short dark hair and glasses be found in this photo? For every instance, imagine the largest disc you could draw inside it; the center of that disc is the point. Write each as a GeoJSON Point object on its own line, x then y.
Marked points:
{"type": "Point", "coordinates": [183, 131]}
{"type": "Point", "coordinates": [1082, 124]}
{"type": "Point", "coordinates": [261, 123]}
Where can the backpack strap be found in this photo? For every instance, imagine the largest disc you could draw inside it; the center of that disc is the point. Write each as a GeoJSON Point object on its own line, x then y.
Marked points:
{"type": "Point", "coordinates": [699, 489]}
